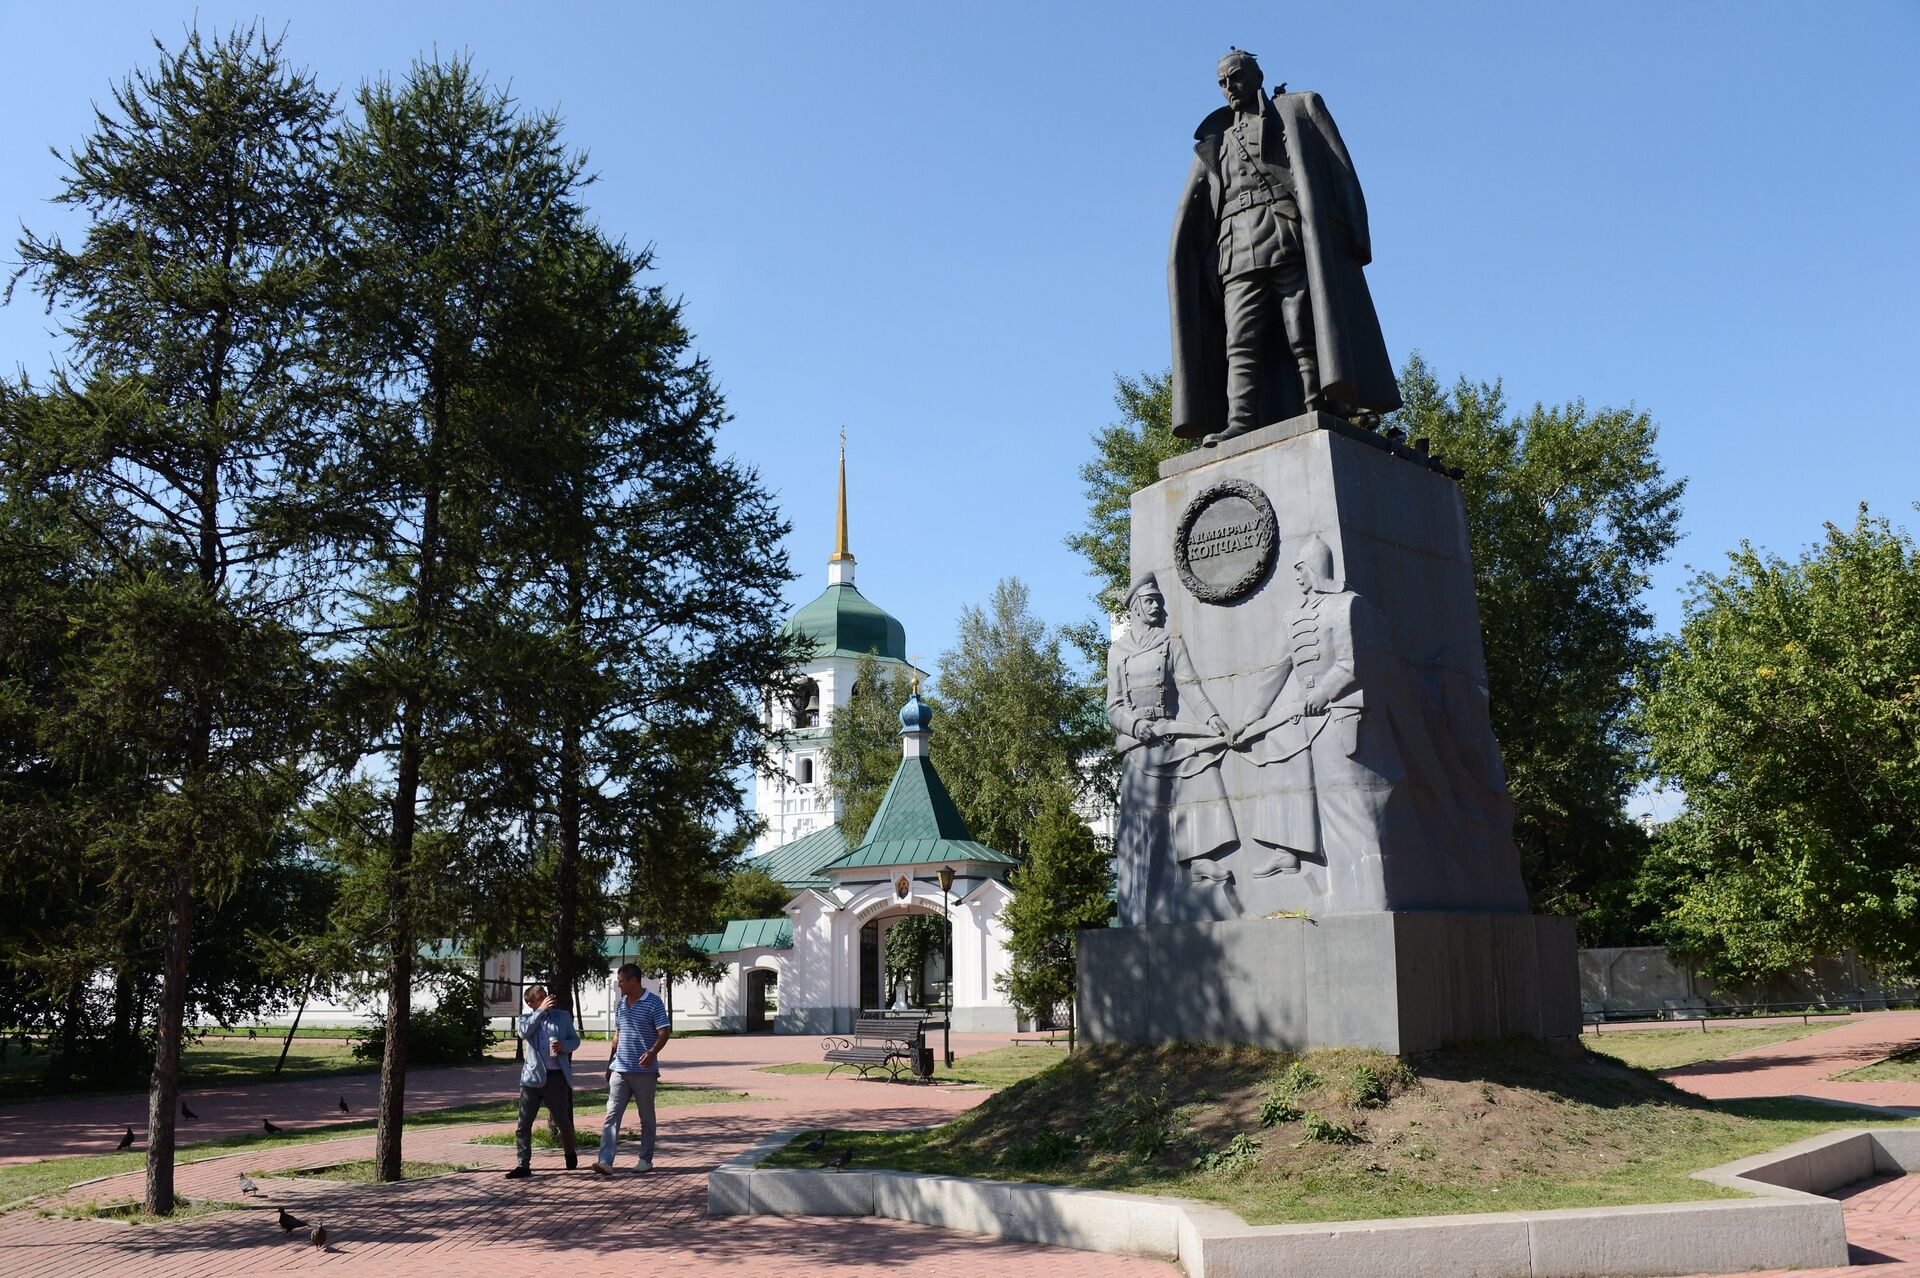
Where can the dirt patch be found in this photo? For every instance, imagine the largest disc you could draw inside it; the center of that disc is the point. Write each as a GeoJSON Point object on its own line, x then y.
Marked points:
{"type": "Point", "coordinates": [1342, 1135]}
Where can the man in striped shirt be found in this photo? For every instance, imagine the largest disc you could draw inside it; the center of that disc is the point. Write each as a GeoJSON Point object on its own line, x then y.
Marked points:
{"type": "Point", "coordinates": [641, 1028]}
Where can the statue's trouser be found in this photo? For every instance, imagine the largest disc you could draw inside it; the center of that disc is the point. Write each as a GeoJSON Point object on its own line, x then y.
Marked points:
{"type": "Point", "coordinates": [1265, 309]}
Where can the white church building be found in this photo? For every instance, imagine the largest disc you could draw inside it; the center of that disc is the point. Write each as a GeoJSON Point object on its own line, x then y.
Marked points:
{"type": "Point", "coordinates": [822, 964]}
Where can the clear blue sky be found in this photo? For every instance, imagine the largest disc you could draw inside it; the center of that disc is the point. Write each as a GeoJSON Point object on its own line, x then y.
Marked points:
{"type": "Point", "coordinates": [945, 227]}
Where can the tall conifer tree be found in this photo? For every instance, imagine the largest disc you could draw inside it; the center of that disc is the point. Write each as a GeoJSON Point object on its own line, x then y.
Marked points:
{"type": "Point", "coordinates": [189, 302]}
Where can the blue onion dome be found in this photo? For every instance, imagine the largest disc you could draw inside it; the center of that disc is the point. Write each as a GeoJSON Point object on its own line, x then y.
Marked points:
{"type": "Point", "coordinates": [915, 715]}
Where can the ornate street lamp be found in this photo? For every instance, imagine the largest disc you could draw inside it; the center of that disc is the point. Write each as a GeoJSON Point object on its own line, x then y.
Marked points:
{"type": "Point", "coordinates": [946, 1034]}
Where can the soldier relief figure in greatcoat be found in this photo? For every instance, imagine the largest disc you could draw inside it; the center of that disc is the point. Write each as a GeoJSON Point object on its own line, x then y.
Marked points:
{"type": "Point", "coordinates": [1171, 741]}
{"type": "Point", "coordinates": [1335, 760]}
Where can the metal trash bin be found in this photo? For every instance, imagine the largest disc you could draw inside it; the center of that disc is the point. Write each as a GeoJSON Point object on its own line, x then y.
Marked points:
{"type": "Point", "coordinates": [923, 1063]}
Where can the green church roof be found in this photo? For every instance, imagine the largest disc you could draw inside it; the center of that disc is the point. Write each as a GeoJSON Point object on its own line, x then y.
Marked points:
{"type": "Point", "coordinates": [917, 824]}
{"type": "Point", "coordinates": [797, 864]}
{"type": "Point", "coordinates": [842, 622]}
{"type": "Point", "coordinates": [746, 934]}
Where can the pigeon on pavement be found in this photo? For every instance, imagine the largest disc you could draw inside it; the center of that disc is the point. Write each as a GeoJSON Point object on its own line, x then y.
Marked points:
{"type": "Point", "coordinates": [186, 1111]}
{"type": "Point", "coordinates": [126, 1142]}
{"type": "Point", "coordinates": [271, 1129]}
{"type": "Point", "coordinates": [318, 1237]}
{"type": "Point", "coordinates": [343, 1106]}
{"type": "Point", "coordinates": [290, 1222]}
{"type": "Point", "coordinates": [246, 1184]}
{"type": "Point", "coordinates": [840, 1160]}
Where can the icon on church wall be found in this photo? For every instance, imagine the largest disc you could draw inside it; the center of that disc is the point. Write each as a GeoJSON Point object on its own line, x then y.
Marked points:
{"type": "Point", "coordinates": [900, 887]}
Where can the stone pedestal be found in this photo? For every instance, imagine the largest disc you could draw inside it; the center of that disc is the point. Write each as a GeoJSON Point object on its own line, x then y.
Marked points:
{"type": "Point", "coordinates": [1399, 982]}
{"type": "Point", "coordinates": [1421, 820]}
{"type": "Point", "coordinates": [1314, 840]}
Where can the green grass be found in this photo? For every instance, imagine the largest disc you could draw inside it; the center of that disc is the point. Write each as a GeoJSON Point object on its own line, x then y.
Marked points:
{"type": "Point", "coordinates": [1498, 1127]}
{"type": "Point", "coordinates": [1001, 1067]}
{"type": "Point", "coordinates": [229, 1061]}
{"type": "Point", "coordinates": [133, 1213]}
{"type": "Point", "coordinates": [1670, 1049]}
{"type": "Point", "coordinates": [278, 1033]}
{"type": "Point", "coordinates": [667, 1096]}
{"type": "Point", "coordinates": [1901, 1067]}
{"type": "Point", "coordinates": [360, 1171]}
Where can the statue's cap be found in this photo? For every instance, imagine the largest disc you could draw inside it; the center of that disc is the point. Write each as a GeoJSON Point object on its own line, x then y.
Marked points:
{"type": "Point", "coordinates": [1236, 56]}
{"type": "Point", "coordinates": [1142, 581]}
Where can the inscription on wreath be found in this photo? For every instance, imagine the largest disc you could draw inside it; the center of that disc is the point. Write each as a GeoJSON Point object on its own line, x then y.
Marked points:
{"type": "Point", "coordinates": [1225, 541]}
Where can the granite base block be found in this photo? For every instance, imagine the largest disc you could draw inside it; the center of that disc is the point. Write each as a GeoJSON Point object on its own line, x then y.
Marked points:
{"type": "Point", "coordinates": [1399, 982]}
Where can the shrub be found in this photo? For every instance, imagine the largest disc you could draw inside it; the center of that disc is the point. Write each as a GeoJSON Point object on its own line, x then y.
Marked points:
{"type": "Point", "coordinates": [452, 1033]}
{"type": "Point", "coordinates": [1277, 1108]}
{"type": "Point", "coordinates": [1367, 1090]}
{"type": "Point", "coordinates": [1328, 1131]}
{"type": "Point", "coordinates": [1239, 1154]}
{"type": "Point", "coordinates": [1048, 1148]}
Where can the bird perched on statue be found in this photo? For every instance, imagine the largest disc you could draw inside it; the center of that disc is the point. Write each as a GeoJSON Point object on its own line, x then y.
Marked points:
{"type": "Point", "coordinates": [343, 1106]}
{"type": "Point", "coordinates": [817, 1144]}
{"type": "Point", "coordinates": [318, 1237]}
{"type": "Point", "coordinates": [290, 1222]}
{"type": "Point", "coordinates": [186, 1111]}
{"type": "Point", "coordinates": [271, 1129]}
{"type": "Point", "coordinates": [246, 1184]}
{"type": "Point", "coordinates": [840, 1160]}
{"type": "Point", "coordinates": [126, 1142]}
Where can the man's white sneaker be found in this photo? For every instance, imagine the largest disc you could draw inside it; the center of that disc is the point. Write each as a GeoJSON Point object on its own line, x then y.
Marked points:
{"type": "Point", "coordinates": [602, 1168]}
{"type": "Point", "coordinates": [643, 1165]}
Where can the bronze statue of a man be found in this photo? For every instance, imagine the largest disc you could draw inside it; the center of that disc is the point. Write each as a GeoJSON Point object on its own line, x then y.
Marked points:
{"type": "Point", "coordinates": [1271, 314]}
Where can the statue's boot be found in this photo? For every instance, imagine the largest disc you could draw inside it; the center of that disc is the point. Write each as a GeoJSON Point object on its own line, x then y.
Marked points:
{"type": "Point", "coordinates": [1231, 432]}
{"type": "Point", "coordinates": [1209, 873]}
{"type": "Point", "coordinates": [1277, 861]}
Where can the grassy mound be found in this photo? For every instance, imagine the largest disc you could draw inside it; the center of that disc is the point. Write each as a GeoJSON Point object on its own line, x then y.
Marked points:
{"type": "Point", "coordinates": [1344, 1135]}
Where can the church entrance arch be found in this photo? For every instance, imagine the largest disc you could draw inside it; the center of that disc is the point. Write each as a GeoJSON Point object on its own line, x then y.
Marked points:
{"type": "Point", "coordinates": [927, 982]}
{"type": "Point", "coordinates": [762, 991]}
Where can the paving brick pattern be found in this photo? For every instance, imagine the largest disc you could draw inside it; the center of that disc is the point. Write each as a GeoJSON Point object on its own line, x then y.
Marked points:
{"type": "Point", "coordinates": [1806, 1066]}
{"type": "Point", "coordinates": [475, 1224]}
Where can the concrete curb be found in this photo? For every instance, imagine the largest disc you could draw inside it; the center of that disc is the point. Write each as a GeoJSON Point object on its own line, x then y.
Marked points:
{"type": "Point", "coordinates": [1786, 1224]}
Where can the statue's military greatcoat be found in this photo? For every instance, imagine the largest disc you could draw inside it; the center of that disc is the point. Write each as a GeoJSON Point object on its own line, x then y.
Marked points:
{"type": "Point", "coordinates": [1309, 169]}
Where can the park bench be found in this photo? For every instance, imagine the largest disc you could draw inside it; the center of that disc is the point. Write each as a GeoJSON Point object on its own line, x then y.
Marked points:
{"type": "Point", "coordinates": [876, 1043]}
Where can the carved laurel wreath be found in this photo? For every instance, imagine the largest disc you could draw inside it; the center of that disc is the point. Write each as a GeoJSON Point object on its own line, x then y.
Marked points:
{"type": "Point", "coordinates": [1243, 584]}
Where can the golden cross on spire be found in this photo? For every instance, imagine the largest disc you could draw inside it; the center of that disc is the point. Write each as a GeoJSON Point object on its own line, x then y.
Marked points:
{"type": "Point", "coordinates": [840, 552]}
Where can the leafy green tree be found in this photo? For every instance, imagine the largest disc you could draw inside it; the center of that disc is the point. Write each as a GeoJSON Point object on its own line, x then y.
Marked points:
{"type": "Point", "coordinates": [1126, 458]}
{"type": "Point", "coordinates": [1568, 510]}
{"type": "Point", "coordinates": [751, 893]}
{"type": "Point", "coordinates": [455, 205]}
{"type": "Point", "coordinates": [912, 941]}
{"type": "Point", "coordinates": [863, 744]}
{"type": "Point", "coordinates": [191, 297]}
{"type": "Point", "coordinates": [1788, 708]}
{"type": "Point", "coordinates": [1019, 721]}
{"type": "Point", "coordinates": [1065, 885]}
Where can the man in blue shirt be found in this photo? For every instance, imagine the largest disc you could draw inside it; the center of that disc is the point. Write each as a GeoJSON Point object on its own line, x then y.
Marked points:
{"type": "Point", "coordinates": [546, 1077]}
{"type": "Point", "coordinates": [641, 1028]}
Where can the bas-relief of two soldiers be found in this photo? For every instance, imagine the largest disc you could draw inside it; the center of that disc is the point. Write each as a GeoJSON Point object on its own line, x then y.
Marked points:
{"type": "Point", "coordinates": [1326, 774]}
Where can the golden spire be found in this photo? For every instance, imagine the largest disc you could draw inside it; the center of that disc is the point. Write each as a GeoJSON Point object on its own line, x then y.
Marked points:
{"type": "Point", "coordinates": [841, 555]}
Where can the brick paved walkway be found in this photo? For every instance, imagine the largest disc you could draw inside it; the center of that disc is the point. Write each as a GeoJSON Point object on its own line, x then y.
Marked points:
{"type": "Point", "coordinates": [475, 1224]}
{"type": "Point", "coordinates": [1806, 1066]}
{"type": "Point", "coordinates": [585, 1223]}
